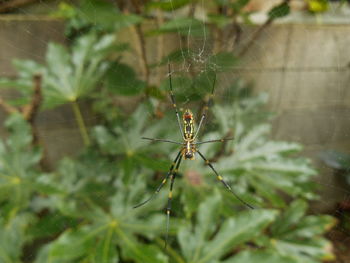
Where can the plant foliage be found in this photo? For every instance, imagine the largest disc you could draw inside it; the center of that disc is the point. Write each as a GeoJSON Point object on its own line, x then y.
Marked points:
{"type": "Point", "coordinates": [82, 210]}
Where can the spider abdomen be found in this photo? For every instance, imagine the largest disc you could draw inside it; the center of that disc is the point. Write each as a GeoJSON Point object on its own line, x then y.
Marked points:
{"type": "Point", "coordinates": [188, 123]}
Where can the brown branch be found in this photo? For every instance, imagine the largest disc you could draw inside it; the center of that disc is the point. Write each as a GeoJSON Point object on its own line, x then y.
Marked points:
{"type": "Point", "coordinates": [142, 42]}
{"type": "Point", "coordinates": [7, 107]}
{"type": "Point", "coordinates": [218, 39]}
{"type": "Point", "coordinates": [160, 44]}
{"type": "Point", "coordinates": [30, 111]}
{"type": "Point", "coordinates": [136, 5]}
{"type": "Point", "coordinates": [10, 5]}
{"type": "Point", "coordinates": [192, 9]}
{"type": "Point", "coordinates": [234, 32]}
{"type": "Point", "coordinates": [120, 4]}
{"type": "Point", "coordinates": [257, 33]}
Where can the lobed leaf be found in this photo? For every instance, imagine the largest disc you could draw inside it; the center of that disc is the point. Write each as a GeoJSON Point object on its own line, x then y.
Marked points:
{"type": "Point", "coordinates": [236, 231]}
{"type": "Point", "coordinates": [260, 256]}
{"type": "Point", "coordinates": [13, 236]}
{"type": "Point", "coordinates": [199, 245]}
{"type": "Point", "coordinates": [106, 16]}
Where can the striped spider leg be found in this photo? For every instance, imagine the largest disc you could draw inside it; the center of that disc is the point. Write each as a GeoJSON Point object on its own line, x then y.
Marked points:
{"type": "Point", "coordinates": [187, 151]}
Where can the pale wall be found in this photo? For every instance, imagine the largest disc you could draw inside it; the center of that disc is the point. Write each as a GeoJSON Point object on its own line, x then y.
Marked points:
{"type": "Point", "coordinates": [306, 71]}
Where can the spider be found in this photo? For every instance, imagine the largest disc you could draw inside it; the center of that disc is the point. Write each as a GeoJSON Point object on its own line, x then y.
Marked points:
{"type": "Point", "coordinates": [187, 151]}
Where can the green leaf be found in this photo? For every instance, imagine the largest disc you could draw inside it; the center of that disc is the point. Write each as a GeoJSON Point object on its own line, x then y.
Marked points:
{"type": "Point", "coordinates": [239, 4]}
{"type": "Point", "coordinates": [27, 68]}
{"type": "Point", "coordinates": [206, 216]}
{"type": "Point", "coordinates": [49, 226]}
{"type": "Point", "coordinates": [291, 216]}
{"type": "Point", "coordinates": [62, 250]}
{"type": "Point", "coordinates": [72, 74]}
{"type": "Point", "coordinates": [21, 136]}
{"type": "Point", "coordinates": [259, 162]}
{"type": "Point", "coordinates": [24, 83]}
{"type": "Point", "coordinates": [279, 11]}
{"type": "Point", "coordinates": [336, 160]}
{"type": "Point", "coordinates": [121, 79]}
{"type": "Point", "coordinates": [106, 141]}
{"type": "Point", "coordinates": [106, 16]}
{"type": "Point", "coordinates": [306, 250]}
{"type": "Point", "coordinates": [105, 251]}
{"type": "Point", "coordinates": [183, 26]}
{"type": "Point", "coordinates": [183, 86]}
{"type": "Point", "coordinates": [168, 5]}
{"type": "Point", "coordinates": [143, 253]}
{"type": "Point", "coordinates": [208, 213]}
{"type": "Point", "coordinates": [271, 149]}
{"type": "Point", "coordinates": [203, 83]}
{"type": "Point", "coordinates": [125, 20]}
{"type": "Point", "coordinates": [259, 257]}
{"type": "Point", "coordinates": [236, 231]}
{"type": "Point", "coordinates": [61, 80]}
{"type": "Point", "coordinates": [219, 20]}
{"type": "Point", "coordinates": [287, 166]}
{"type": "Point", "coordinates": [222, 61]}
{"type": "Point", "coordinates": [310, 226]}
{"type": "Point", "coordinates": [177, 56]}
{"type": "Point", "coordinates": [101, 13]}
{"type": "Point", "coordinates": [201, 246]}
{"type": "Point", "coordinates": [18, 165]}
{"type": "Point", "coordinates": [105, 230]}
{"type": "Point", "coordinates": [300, 236]}
{"type": "Point", "coordinates": [129, 220]}
{"type": "Point", "coordinates": [190, 198]}
{"type": "Point", "coordinates": [10, 83]}
{"type": "Point", "coordinates": [65, 10]}
{"type": "Point", "coordinates": [13, 236]}
{"type": "Point", "coordinates": [154, 164]}
{"type": "Point", "coordinates": [274, 198]}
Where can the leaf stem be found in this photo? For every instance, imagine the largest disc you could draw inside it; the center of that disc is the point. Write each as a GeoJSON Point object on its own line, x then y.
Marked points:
{"type": "Point", "coordinates": [107, 244]}
{"type": "Point", "coordinates": [170, 251]}
{"type": "Point", "coordinates": [80, 121]}
{"type": "Point", "coordinates": [141, 41]}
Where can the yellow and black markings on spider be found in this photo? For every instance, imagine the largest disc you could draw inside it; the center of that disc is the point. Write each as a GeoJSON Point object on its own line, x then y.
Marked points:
{"type": "Point", "coordinates": [187, 151]}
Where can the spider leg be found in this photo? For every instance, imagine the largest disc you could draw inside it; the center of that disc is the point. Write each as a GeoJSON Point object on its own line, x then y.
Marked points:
{"type": "Point", "coordinates": [170, 197]}
{"type": "Point", "coordinates": [173, 101]}
{"type": "Point", "coordinates": [161, 140]}
{"type": "Point", "coordinates": [206, 107]}
{"type": "Point", "coordinates": [162, 183]}
{"type": "Point", "coordinates": [218, 140]}
{"type": "Point", "coordinates": [222, 180]}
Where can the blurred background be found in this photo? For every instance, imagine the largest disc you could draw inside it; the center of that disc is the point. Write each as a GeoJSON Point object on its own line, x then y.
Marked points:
{"type": "Point", "coordinates": [82, 81]}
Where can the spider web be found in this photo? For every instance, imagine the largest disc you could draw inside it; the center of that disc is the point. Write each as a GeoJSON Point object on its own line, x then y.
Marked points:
{"type": "Point", "coordinates": [294, 106]}
{"type": "Point", "coordinates": [268, 76]}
